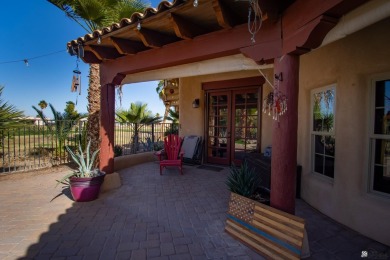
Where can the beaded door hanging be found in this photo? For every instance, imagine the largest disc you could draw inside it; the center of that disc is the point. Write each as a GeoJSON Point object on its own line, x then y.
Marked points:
{"type": "Point", "coordinates": [275, 103]}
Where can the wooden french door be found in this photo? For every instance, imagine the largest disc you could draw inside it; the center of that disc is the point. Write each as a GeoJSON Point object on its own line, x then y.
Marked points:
{"type": "Point", "coordinates": [232, 124]}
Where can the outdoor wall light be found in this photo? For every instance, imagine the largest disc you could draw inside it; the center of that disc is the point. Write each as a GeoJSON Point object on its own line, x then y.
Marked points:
{"type": "Point", "coordinates": [195, 103]}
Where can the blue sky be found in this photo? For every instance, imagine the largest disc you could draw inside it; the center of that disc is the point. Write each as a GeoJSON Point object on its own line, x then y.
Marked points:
{"type": "Point", "coordinates": [35, 28]}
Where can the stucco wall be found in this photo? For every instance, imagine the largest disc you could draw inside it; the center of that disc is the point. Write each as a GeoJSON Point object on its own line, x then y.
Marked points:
{"type": "Point", "coordinates": [349, 63]}
{"type": "Point", "coordinates": [192, 119]}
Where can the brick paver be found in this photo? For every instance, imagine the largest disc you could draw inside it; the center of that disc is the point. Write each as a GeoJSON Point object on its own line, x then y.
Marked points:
{"type": "Point", "coordinates": [149, 217]}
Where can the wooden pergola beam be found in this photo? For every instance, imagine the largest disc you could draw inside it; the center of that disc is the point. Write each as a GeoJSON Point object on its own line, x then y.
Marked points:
{"type": "Point", "coordinates": [104, 53]}
{"type": "Point", "coordinates": [224, 16]}
{"type": "Point", "coordinates": [127, 47]}
{"type": "Point", "coordinates": [90, 57]}
{"type": "Point", "coordinates": [154, 39]}
{"type": "Point", "coordinates": [184, 28]}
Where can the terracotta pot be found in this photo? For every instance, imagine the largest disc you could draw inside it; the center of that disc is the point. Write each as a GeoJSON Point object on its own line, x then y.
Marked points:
{"type": "Point", "coordinates": [86, 189]}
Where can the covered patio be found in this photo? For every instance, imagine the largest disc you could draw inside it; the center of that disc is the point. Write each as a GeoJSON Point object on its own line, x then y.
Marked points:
{"type": "Point", "coordinates": [149, 217]}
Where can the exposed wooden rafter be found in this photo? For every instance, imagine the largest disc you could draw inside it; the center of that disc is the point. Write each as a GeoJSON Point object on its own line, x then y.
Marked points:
{"type": "Point", "coordinates": [154, 39]}
{"type": "Point", "coordinates": [224, 43]}
{"type": "Point", "coordinates": [184, 28]}
{"type": "Point", "coordinates": [90, 57]}
{"type": "Point", "coordinates": [127, 47]}
{"type": "Point", "coordinates": [104, 53]}
{"type": "Point", "coordinates": [224, 17]}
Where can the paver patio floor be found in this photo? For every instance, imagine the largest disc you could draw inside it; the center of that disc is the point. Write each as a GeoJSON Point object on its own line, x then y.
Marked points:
{"type": "Point", "coordinates": [149, 217]}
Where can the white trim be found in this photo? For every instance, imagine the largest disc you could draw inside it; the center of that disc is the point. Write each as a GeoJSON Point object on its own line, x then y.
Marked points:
{"type": "Point", "coordinates": [360, 18]}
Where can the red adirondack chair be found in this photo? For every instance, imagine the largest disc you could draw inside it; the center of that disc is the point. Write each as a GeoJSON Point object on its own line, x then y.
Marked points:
{"type": "Point", "coordinates": [173, 155]}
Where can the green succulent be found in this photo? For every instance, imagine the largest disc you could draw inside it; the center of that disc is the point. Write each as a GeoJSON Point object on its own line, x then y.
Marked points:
{"type": "Point", "coordinates": [85, 162]}
{"type": "Point", "coordinates": [243, 180]}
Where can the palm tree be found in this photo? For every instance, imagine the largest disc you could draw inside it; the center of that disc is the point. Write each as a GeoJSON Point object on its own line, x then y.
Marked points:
{"type": "Point", "coordinates": [173, 115]}
{"type": "Point", "coordinates": [63, 124]}
{"type": "Point", "coordinates": [138, 115]}
{"type": "Point", "coordinates": [93, 15]}
{"type": "Point", "coordinates": [42, 104]}
{"type": "Point", "coordinates": [10, 117]}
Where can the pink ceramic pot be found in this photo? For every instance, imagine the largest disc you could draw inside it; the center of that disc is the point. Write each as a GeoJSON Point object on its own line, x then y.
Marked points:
{"type": "Point", "coordinates": [85, 189]}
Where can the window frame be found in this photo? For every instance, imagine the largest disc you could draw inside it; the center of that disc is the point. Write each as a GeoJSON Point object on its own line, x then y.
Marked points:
{"type": "Point", "coordinates": [321, 133]}
{"type": "Point", "coordinates": [372, 137]}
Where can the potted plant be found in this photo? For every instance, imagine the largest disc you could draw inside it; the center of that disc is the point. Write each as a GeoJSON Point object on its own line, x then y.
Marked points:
{"type": "Point", "coordinates": [246, 182]}
{"type": "Point", "coordinates": [84, 182]}
{"type": "Point", "coordinates": [271, 232]}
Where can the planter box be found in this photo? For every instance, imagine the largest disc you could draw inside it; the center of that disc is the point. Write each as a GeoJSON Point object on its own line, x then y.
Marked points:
{"type": "Point", "coordinates": [271, 232]}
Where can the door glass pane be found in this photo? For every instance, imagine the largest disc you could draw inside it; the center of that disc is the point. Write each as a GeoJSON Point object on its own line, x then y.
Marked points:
{"type": "Point", "coordinates": [251, 144]}
{"type": "Point", "coordinates": [240, 99]}
{"type": "Point", "coordinates": [213, 100]}
{"type": "Point", "coordinates": [252, 121]}
{"type": "Point", "coordinates": [251, 133]}
{"type": "Point", "coordinates": [222, 100]}
{"type": "Point", "coordinates": [245, 124]}
{"type": "Point", "coordinates": [251, 110]}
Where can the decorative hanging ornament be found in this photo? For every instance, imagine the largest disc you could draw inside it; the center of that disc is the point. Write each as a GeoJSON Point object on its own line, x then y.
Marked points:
{"type": "Point", "coordinates": [76, 80]}
{"type": "Point", "coordinates": [275, 103]}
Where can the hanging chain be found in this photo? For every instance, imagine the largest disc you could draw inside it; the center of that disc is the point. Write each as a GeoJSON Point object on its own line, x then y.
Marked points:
{"type": "Point", "coordinates": [255, 25]}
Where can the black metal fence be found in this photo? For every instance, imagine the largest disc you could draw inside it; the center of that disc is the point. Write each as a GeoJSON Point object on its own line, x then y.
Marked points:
{"type": "Point", "coordinates": [41, 146]}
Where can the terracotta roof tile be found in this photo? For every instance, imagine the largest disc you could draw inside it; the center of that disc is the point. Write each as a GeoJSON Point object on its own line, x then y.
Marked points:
{"type": "Point", "coordinates": [135, 18]}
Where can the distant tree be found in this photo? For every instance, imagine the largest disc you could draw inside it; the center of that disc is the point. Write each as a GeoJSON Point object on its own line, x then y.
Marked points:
{"type": "Point", "coordinates": [42, 104]}
{"type": "Point", "coordinates": [61, 125]}
{"type": "Point", "coordinates": [71, 112]}
{"type": "Point", "coordinates": [10, 117]}
{"type": "Point", "coordinates": [139, 115]}
{"type": "Point", "coordinates": [173, 116]}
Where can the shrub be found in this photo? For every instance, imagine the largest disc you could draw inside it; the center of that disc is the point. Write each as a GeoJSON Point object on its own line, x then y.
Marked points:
{"type": "Point", "coordinates": [243, 181]}
{"type": "Point", "coordinates": [118, 150]}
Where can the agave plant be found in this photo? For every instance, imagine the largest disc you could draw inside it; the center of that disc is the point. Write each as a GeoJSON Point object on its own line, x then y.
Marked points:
{"type": "Point", "coordinates": [85, 162]}
{"type": "Point", "coordinates": [243, 181]}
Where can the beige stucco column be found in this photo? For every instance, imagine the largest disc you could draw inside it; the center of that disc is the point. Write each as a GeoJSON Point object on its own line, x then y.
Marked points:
{"type": "Point", "coordinates": [107, 119]}
{"type": "Point", "coordinates": [284, 137]}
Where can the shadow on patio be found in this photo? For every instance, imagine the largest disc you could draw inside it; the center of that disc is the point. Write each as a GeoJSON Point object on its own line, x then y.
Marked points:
{"type": "Point", "coordinates": [150, 216]}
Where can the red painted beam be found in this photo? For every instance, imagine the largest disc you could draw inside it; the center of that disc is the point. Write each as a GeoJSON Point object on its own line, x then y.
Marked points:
{"type": "Point", "coordinates": [213, 45]}
{"type": "Point", "coordinates": [309, 36]}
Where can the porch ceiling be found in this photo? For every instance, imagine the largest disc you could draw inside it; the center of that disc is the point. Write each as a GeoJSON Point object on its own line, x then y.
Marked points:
{"type": "Point", "coordinates": [177, 33]}
{"type": "Point", "coordinates": [170, 23]}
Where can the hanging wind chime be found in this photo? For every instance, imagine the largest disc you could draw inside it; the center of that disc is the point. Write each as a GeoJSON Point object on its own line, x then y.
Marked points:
{"type": "Point", "coordinates": [76, 80]}
{"type": "Point", "coordinates": [275, 103]}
